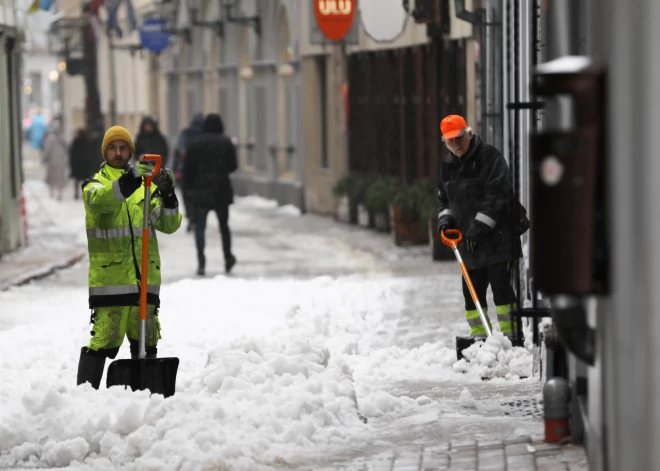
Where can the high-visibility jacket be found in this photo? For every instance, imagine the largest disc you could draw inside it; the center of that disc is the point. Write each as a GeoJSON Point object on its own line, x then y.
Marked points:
{"type": "Point", "coordinates": [114, 240]}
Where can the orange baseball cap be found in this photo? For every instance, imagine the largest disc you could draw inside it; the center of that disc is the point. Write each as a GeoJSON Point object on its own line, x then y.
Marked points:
{"type": "Point", "coordinates": [453, 126]}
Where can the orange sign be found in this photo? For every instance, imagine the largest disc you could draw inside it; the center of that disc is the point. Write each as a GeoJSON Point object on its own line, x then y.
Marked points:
{"type": "Point", "coordinates": [335, 17]}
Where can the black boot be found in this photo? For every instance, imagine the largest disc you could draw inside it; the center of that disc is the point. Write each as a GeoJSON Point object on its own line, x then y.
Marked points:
{"type": "Point", "coordinates": [230, 261]}
{"type": "Point", "coordinates": [201, 264]}
{"type": "Point", "coordinates": [90, 368]}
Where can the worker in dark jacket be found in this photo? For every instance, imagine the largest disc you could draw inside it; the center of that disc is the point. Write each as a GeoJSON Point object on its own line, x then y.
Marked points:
{"type": "Point", "coordinates": [210, 158]}
{"type": "Point", "coordinates": [475, 195]}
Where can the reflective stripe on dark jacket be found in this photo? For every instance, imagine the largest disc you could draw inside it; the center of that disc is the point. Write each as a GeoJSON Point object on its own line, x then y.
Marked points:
{"type": "Point", "coordinates": [478, 186]}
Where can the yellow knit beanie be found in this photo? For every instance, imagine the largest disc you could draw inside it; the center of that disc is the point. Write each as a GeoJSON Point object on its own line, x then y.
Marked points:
{"type": "Point", "coordinates": [117, 133]}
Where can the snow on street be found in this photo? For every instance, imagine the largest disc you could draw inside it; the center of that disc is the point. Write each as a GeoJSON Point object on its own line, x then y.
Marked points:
{"type": "Point", "coordinates": [317, 317]}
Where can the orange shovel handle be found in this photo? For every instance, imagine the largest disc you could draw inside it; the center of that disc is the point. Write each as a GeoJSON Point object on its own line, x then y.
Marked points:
{"type": "Point", "coordinates": [159, 161]}
{"type": "Point", "coordinates": [144, 272]}
{"type": "Point", "coordinates": [453, 242]}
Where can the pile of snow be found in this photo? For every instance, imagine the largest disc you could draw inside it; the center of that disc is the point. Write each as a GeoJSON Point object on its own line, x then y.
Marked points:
{"type": "Point", "coordinates": [495, 357]}
{"type": "Point", "coordinates": [261, 378]}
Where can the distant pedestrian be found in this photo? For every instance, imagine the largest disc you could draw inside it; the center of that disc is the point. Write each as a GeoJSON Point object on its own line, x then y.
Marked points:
{"type": "Point", "coordinates": [150, 140]}
{"type": "Point", "coordinates": [55, 158]}
{"type": "Point", "coordinates": [83, 160]}
{"type": "Point", "coordinates": [37, 133]}
{"type": "Point", "coordinates": [186, 136]}
{"type": "Point", "coordinates": [210, 159]}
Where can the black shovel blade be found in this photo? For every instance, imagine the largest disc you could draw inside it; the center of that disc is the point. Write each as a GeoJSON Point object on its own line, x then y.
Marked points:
{"type": "Point", "coordinates": [158, 375]}
{"type": "Point", "coordinates": [464, 342]}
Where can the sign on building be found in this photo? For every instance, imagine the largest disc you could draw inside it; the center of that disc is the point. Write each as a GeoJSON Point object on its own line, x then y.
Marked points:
{"type": "Point", "coordinates": [334, 21]}
{"type": "Point", "coordinates": [383, 20]}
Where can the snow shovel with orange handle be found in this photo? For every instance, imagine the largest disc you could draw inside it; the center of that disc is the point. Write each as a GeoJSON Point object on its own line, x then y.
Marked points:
{"type": "Point", "coordinates": [158, 375]}
{"type": "Point", "coordinates": [453, 243]}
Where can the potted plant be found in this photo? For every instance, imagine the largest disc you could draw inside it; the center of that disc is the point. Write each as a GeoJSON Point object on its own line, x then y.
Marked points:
{"type": "Point", "coordinates": [350, 191]}
{"type": "Point", "coordinates": [409, 225]}
{"type": "Point", "coordinates": [377, 199]}
{"type": "Point", "coordinates": [360, 186]}
{"type": "Point", "coordinates": [340, 191]}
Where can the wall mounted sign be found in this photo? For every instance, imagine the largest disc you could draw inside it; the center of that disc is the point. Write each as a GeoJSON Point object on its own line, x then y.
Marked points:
{"type": "Point", "coordinates": [154, 35]}
{"type": "Point", "coordinates": [335, 17]}
{"type": "Point", "coordinates": [383, 20]}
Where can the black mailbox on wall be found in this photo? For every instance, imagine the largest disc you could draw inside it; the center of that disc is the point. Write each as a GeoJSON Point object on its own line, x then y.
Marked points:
{"type": "Point", "coordinates": [568, 203]}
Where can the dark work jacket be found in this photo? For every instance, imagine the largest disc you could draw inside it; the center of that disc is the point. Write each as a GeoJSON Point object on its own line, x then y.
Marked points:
{"type": "Point", "coordinates": [478, 185]}
{"type": "Point", "coordinates": [210, 158]}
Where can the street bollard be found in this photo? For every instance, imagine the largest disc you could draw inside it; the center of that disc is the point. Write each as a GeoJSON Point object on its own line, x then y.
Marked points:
{"type": "Point", "coordinates": [555, 409]}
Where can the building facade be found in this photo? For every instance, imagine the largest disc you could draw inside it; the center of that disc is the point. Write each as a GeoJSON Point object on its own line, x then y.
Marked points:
{"type": "Point", "coordinates": [12, 233]}
{"type": "Point", "coordinates": [41, 77]}
{"type": "Point", "coordinates": [372, 104]}
{"type": "Point", "coordinates": [127, 86]}
{"type": "Point", "coordinates": [249, 72]}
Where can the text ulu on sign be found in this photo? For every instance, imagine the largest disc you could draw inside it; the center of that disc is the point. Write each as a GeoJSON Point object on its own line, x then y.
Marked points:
{"type": "Point", "coordinates": [335, 7]}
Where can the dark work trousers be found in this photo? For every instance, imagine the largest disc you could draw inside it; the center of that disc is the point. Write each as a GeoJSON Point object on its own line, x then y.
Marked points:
{"type": "Point", "coordinates": [498, 276]}
{"type": "Point", "coordinates": [222, 211]}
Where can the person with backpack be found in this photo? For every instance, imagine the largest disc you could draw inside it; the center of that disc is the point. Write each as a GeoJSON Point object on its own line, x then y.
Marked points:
{"type": "Point", "coordinates": [475, 195]}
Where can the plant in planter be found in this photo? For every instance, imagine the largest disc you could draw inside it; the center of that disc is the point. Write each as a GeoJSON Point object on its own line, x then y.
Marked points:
{"type": "Point", "coordinates": [377, 199]}
{"type": "Point", "coordinates": [409, 225]}
{"type": "Point", "coordinates": [350, 190]}
{"type": "Point", "coordinates": [360, 186]}
{"type": "Point", "coordinates": [340, 191]}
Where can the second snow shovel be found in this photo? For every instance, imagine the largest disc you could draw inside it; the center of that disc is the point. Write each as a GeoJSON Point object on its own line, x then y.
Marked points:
{"type": "Point", "coordinates": [464, 342]}
{"type": "Point", "coordinates": [158, 375]}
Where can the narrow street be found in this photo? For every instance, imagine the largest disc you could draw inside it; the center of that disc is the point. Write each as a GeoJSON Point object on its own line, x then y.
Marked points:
{"type": "Point", "coordinates": [423, 412]}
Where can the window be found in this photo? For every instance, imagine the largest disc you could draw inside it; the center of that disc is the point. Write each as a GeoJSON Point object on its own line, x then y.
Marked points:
{"type": "Point", "coordinates": [261, 111]}
{"type": "Point", "coordinates": [291, 123]}
{"type": "Point", "coordinates": [323, 95]}
{"type": "Point", "coordinates": [195, 94]}
{"type": "Point", "coordinates": [223, 51]}
{"type": "Point", "coordinates": [173, 105]}
{"type": "Point", "coordinates": [223, 105]}
{"type": "Point", "coordinates": [251, 112]}
{"type": "Point", "coordinates": [35, 83]}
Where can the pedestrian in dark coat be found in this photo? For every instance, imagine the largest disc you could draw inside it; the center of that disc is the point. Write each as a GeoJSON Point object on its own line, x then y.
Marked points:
{"type": "Point", "coordinates": [150, 140]}
{"type": "Point", "coordinates": [186, 136]}
{"type": "Point", "coordinates": [83, 164]}
{"type": "Point", "coordinates": [475, 195]}
{"type": "Point", "coordinates": [210, 159]}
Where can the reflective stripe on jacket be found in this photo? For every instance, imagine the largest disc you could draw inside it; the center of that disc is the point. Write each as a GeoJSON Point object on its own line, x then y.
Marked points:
{"type": "Point", "coordinates": [114, 240]}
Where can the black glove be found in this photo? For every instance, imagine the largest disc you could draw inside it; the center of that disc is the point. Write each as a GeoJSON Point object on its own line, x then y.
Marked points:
{"type": "Point", "coordinates": [165, 183]}
{"type": "Point", "coordinates": [128, 183]}
{"type": "Point", "coordinates": [477, 234]}
{"type": "Point", "coordinates": [446, 221]}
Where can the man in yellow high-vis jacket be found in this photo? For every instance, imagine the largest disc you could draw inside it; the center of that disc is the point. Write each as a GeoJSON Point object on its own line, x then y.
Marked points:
{"type": "Point", "coordinates": [114, 210]}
